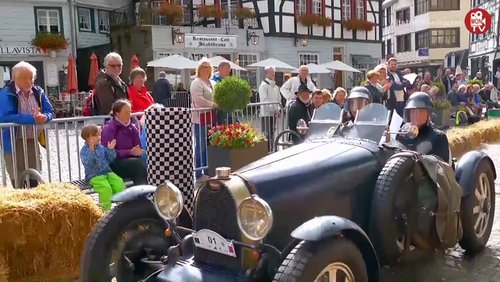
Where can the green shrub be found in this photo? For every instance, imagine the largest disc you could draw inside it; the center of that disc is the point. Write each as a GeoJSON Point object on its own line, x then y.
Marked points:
{"type": "Point", "coordinates": [476, 81]}
{"type": "Point", "coordinates": [441, 104]}
{"type": "Point", "coordinates": [442, 88]}
{"type": "Point", "coordinates": [232, 93]}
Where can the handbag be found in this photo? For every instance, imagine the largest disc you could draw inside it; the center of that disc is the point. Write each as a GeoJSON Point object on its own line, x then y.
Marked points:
{"type": "Point", "coordinates": [41, 136]}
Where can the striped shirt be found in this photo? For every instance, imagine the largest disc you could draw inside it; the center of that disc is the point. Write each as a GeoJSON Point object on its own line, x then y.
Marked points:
{"type": "Point", "coordinates": [27, 104]}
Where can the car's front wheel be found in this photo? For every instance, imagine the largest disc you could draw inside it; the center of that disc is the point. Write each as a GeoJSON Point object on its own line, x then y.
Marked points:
{"type": "Point", "coordinates": [123, 242]}
{"type": "Point", "coordinates": [478, 210]}
{"type": "Point", "coordinates": [334, 260]}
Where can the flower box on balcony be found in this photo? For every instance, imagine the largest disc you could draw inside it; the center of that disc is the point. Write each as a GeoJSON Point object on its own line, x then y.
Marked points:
{"type": "Point", "coordinates": [308, 19]}
{"type": "Point", "coordinates": [324, 21]}
{"type": "Point", "coordinates": [50, 41]}
{"type": "Point", "coordinates": [243, 13]}
{"type": "Point", "coordinates": [173, 12]}
{"type": "Point", "coordinates": [210, 11]}
{"type": "Point", "coordinates": [358, 24]}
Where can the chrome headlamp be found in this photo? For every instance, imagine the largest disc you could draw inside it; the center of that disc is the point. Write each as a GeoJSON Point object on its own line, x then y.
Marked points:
{"type": "Point", "coordinates": [169, 201]}
{"type": "Point", "coordinates": [255, 218]}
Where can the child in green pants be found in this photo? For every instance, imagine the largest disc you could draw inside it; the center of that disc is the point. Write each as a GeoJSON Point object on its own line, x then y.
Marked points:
{"type": "Point", "coordinates": [96, 159]}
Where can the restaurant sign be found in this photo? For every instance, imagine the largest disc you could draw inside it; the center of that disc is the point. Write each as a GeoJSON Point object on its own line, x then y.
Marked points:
{"type": "Point", "coordinates": [19, 50]}
{"type": "Point", "coordinates": [210, 41]}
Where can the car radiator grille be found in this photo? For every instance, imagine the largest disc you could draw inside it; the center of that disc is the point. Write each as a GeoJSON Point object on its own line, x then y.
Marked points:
{"type": "Point", "coordinates": [216, 210]}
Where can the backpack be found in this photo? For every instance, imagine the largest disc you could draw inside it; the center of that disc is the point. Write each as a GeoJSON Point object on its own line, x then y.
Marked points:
{"type": "Point", "coordinates": [461, 118]}
{"type": "Point", "coordinates": [91, 108]}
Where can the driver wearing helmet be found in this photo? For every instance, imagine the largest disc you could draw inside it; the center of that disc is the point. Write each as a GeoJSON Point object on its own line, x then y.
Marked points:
{"type": "Point", "coordinates": [429, 140]}
{"type": "Point", "coordinates": [357, 99]}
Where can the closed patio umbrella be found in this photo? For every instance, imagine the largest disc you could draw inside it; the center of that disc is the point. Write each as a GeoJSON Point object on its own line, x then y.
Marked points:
{"type": "Point", "coordinates": [134, 62]}
{"type": "Point", "coordinates": [94, 70]}
{"type": "Point", "coordinates": [72, 76]}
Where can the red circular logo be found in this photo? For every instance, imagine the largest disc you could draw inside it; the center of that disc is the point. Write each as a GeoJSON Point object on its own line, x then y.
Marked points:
{"type": "Point", "coordinates": [478, 21]}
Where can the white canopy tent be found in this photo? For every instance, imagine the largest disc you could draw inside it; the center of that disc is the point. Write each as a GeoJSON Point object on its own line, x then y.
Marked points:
{"type": "Point", "coordinates": [315, 69]}
{"type": "Point", "coordinates": [277, 64]}
{"type": "Point", "coordinates": [173, 62]}
{"type": "Point", "coordinates": [215, 61]}
{"type": "Point", "coordinates": [339, 66]}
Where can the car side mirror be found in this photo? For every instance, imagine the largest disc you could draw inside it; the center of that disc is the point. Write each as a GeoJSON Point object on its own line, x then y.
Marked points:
{"type": "Point", "coordinates": [302, 127]}
{"type": "Point", "coordinates": [409, 130]}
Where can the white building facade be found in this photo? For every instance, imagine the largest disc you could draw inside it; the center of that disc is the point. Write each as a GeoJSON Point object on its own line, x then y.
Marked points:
{"type": "Point", "coordinates": [420, 33]}
{"type": "Point", "coordinates": [484, 53]}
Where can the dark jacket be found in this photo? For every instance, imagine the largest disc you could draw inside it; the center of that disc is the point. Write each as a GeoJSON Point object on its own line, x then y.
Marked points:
{"type": "Point", "coordinates": [376, 95]}
{"type": "Point", "coordinates": [107, 92]}
{"type": "Point", "coordinates": [161, 91]}
{"type": "Point", "coordinates": [429, 141]}
{"type": "Point", "coordinates": [391, 101]}
{"type": "Point", "coordinates": [298, 110]}
{"type": "Point", "coordinates": [9, 106]}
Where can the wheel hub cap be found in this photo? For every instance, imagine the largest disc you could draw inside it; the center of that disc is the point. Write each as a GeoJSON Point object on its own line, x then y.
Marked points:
{"type": "Point", "coordinates": [336, 272]}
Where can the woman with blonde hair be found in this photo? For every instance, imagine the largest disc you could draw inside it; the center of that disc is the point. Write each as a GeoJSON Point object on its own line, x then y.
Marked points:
{"type": "Point", "coordinates": [327, 95]}
{"type": "Point", "coordinates": [339, 96]}
{"type": "Point", "coordinates": [201, 90]}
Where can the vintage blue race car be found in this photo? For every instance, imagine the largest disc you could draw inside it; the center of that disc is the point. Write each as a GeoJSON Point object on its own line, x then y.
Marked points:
{"type": "Point", "coordinates": [332, 208]}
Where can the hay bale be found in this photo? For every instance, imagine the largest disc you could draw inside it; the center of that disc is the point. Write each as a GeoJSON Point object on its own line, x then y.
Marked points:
{"type": "Point", "coordinates": [44, 230]}
{"type": "Point", "coordinates": [465, 139]}
{"type": "Point", "coordinates": [4, 270]}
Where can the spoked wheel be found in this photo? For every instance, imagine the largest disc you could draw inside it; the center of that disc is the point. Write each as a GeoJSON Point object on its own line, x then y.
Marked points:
{"type": "Point", "coordinates": [284, 140]}
{"type": "Point", "coordinates": [126, 244]}
{"type": "Point", "coordinates": [478, 210]}
{"type": "Point", "coordinates": [325, 261]}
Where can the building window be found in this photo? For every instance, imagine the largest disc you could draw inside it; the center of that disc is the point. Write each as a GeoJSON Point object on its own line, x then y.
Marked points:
{"type": "Point", "coordinates": [445, 38]}
{"type": "Point", "coordinates": [198, 56]}
{"type": "Point", "coordinates": [251, 75]}
{"type": "Point", "coordinates": [85, 22]}
{"type": "Point", "coordinates": [421, 7]}
{"type": "Point", "coordinates": [48, 20]}
{"type": "Point", "coordinates": [444, 5]}
{"type": "Point", "coordinates": [389, 47]}
{"type": "Point", "coordinates": [360, 9]}
{"type": "Point", "coordinates": [403, 16]}
{"type": "Point", "coordinates": [346, 9]}
{"type": "Point", "coordinates": [308, 58]}
{"type": "Point", "coordinates": [103, 21]}
{"type": "Point", "coordinates": [422, 39]}
{"type": "Point", "coordinates": [388, 15]}
{"type": "Point", "coordinates": [301, 7]}
{"type": "Point", "coordinates": [403, 43]}
{"type": "Point", "coordinates": [317, 6]}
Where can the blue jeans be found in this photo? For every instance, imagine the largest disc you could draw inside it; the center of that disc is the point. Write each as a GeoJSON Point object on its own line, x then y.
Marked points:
{"type": "Point", "coordinates": [200, 135]}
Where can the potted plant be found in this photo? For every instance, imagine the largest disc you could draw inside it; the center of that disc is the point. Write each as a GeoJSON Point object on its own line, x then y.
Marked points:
{"type": "Point", "coordinates": [308, 19]}
{"type": "Point", "coordinates": [442, 113]}
{"type": "Point", "coordinates": [234, 144]}
{"type": "Point", "coordinates": [243, 13]}
{"type": "Point", "coordinates": [324, 21]}
{"type": "Point", "coordinates": [357, 24]}
{"type": "Point", "coordinates": [442, 88]}
{"type": "Point", "coordinates": [210, 11]}
{"type": "Point", "coordinates": [50, 42]}
{"type": "Point", "coordinates": [476, 81]}
{"type": "Point", "coordinates": [173, 12]}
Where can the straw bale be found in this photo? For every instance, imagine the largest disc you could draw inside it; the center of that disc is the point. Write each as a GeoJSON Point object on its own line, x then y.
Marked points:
{"type": "Point", "coordinates": [44, 230]}
{"type": "Point", "coordinates": [464, 139]}
{"type": "Point", "coordinates": [4, 270]}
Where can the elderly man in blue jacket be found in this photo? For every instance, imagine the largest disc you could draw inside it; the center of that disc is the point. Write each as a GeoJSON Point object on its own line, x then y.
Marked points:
{"type": "Point", "coordinates": [22, 102]}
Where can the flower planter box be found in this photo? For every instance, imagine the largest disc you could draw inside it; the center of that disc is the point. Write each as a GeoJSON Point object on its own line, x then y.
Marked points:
{"type": "Point", "coordinates": [234, 158]}
{"type": "Point", "coordinates": [441, 118]}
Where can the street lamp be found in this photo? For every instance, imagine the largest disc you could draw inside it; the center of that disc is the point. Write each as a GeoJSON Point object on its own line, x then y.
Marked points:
{"type": "Point", "coordinates": [252, 38]}
{"type": "Point", "coordinates": [177, 36]}
{"type": "Point", "coordinates": [302, 41]}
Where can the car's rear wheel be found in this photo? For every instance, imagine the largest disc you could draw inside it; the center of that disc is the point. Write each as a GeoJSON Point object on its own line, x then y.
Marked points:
{"type": "Point", "coordinates": [393, 209]}
{"type": "Point", "coordinates": [333, 260]}
{"type": "Point", "coordinates": [478, 210]}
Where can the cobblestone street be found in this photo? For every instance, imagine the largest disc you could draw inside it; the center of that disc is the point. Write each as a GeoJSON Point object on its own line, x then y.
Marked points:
{"type": "Point", "coordinates": [454, 265]}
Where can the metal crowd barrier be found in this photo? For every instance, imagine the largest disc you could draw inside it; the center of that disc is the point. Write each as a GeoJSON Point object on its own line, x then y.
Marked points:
{"type": "Point", "coordinates": [60, 160]}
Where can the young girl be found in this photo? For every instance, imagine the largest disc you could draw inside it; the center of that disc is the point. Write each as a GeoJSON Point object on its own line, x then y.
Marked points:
{"type": "Point", "coordinates": [96, 159]}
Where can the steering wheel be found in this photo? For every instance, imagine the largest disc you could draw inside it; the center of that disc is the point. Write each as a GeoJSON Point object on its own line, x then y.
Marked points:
{"type": "Point", "coordinates": [286, 142]}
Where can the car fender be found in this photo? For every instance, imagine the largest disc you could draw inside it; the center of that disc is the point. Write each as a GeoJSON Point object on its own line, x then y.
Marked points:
{"type": "Point", "coordinates": [466, 169]}
{"type": "Point", "coordinates": [133, 193]}
{"type": "Point", "coordinates": [329, 227]}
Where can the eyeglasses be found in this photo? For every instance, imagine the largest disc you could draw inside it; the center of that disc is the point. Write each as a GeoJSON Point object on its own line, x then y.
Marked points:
{"type": "Point", "coordinates": [115, 65]}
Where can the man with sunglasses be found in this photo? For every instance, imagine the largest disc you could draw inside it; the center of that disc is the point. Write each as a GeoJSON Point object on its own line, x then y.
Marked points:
{"type": "Point", "coordinates": [109, 86]}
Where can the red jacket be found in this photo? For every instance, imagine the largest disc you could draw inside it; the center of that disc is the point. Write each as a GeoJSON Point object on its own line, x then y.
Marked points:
{"type": "Point", "coordinates": [140, 100]}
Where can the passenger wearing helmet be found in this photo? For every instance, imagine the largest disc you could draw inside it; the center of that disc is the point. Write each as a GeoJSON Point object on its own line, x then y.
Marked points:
{"type": "Point", "coordinates": [357, 99]}
{"type": "Point", "coordinates": [429, 141]}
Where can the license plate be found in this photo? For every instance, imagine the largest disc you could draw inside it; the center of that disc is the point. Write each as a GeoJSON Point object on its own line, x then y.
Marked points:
{"type": "Point", "coordinates": [210, 240]}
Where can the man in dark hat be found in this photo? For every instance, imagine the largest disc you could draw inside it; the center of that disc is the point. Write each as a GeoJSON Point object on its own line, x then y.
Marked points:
{"type": "Point", "coordinates": [300, 109]}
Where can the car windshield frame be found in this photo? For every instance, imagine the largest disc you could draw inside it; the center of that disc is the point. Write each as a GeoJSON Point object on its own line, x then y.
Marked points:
{"type": "Point", "coordinates": [327, 113]}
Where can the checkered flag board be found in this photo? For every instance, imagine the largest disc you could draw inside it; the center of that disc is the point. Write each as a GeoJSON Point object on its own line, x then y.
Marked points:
{"type": "Point", "coordinates": [169, 150]}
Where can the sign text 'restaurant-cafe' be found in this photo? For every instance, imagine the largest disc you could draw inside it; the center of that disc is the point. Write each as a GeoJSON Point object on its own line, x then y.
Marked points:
{"type": "Point", "coordinates": [209, 41]}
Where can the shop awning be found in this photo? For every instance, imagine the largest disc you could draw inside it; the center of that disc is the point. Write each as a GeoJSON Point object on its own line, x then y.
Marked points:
{"type": "Point", "coordinates": [388, 3]}
{"type": "Point", "coordinates": [363, 60]}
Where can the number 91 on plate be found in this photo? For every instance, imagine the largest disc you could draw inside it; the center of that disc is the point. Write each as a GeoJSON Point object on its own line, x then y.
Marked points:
{"type": "Point", "coordinates": [210, 240]}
